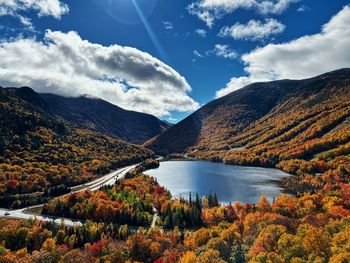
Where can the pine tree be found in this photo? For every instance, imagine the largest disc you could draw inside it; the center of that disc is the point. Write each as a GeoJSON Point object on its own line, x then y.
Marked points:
{"type": "Point", "coordinates": [2, 147]}
{"type": "Point", "coordinates": [168, 221]}
{"type": "Point", "coordinates": [177, 218]}
{"type": "Point", "coordinates": [198, 202]}
{"type": "Point", "coordinates": [210, 200]}
{"type": "Point", "coordinates": [216, 202]}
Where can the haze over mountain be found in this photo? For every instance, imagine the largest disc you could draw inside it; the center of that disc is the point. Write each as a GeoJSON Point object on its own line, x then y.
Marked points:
{"type": "Point", "coordinates": [279, 115]}
{"type": "Point", "coordinates": [102, 116]}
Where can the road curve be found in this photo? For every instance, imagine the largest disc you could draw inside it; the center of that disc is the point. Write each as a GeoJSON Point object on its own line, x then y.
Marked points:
{"type": "Point", "coordinates": [108, 179]}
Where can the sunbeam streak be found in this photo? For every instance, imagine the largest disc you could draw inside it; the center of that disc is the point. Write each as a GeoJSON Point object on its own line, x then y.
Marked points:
{"type": "Point", "coordinates": [150, 32]}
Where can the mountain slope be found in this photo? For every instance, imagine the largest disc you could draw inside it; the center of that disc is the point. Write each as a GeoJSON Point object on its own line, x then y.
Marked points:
{"type": "Point", "coordinates": [39, 151]}
{"type": "Point", "coordinates": [102, 116]}
{"type": "Point", "coordinates": [300, 126]}
{"type": "Point", "coordinates": [226, 122]}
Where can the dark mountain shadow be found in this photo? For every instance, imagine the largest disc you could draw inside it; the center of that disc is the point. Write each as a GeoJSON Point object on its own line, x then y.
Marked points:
{"type": "Point", "coordinates": [102, 116]}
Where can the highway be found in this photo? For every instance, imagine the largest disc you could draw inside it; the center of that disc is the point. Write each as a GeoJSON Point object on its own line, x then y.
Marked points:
{"type": "Point", "coordinates": [108, 179]}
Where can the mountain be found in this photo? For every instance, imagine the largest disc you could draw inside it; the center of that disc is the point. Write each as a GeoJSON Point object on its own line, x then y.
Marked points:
{"type": "Point", "coordinates": [267, 123]}
{"type": "Point", "coordinates": [39, 151]}
{"type": "Point", "coordinates": [168, 123]}
{"type": "Point", "coordinates": [102, 116]}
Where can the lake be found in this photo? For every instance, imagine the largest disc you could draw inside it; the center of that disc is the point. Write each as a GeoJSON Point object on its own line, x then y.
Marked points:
{"type": "Point", "coordinates": [230, 182]}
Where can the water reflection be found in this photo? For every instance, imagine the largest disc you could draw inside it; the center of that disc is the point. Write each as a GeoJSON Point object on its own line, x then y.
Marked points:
{"type": "Point", "coordinates": [231, 183]}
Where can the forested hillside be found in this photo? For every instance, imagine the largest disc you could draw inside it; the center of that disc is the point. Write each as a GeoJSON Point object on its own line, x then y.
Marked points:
{"type": "Point", "coordinates": [102, 116]}
{"type": "Point", "coordinates": [38, 151]}
{"type": "Point", "coordinates": [313, 228]}
{"type": "Point", "coordinates": [300, 126]}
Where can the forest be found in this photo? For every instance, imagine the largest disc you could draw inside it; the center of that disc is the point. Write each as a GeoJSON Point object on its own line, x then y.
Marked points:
{"type": "Point", "coordinates": [132, 201]}
{"type": "Point", "coordinates": [313, 228]}
{"type": "Point", "coordinates": [41, 155]}
{"type": "Point", "coordinates": [313, 145]}
{"type": "Point", "coordinates": [46, 156]}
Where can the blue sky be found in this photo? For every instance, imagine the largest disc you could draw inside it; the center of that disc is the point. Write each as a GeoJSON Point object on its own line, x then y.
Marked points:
{"type": "Point", "coordinates": [199, 67]}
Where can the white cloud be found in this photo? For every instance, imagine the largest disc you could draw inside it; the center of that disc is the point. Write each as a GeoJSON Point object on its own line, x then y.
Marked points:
{"type": "Point", "coordinates": [211, 10]}
{"type": "Point", "coordinates": [168, 25]}
{"type": "Point", "coordinates": [303, 8]}
{"type": "Point", "coordinates": [219, 50]}
{"type": "Point", "coordinates": [304, 57]}
{"type": "Point", "coordinates": [53, 8]}
{"type": "Point", "coordinates": [223, 51]}
{"type": "Point", "coordinates": [16, 8]}
{"type": "Point", "coordinates": [201, 33]}
{"type": "Point", "coordinates": [65, 64]}
{"type": "Point", "coordinates": [253, 30]}
{"type": "Point", "coordinates": [172, 120]}
{"type": "Point", "coordinates": [197, 54]}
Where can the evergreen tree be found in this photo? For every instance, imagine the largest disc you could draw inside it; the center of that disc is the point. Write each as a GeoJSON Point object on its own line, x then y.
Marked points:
{"type": "Point", "coordinates": [168, 221]}
{"type": "Point", "coordinates": [210, 200]}
{"type": "Point", "coordinates": [196, 217]}
{"type": "Point", "coordinates": [2, 147]}
{"type": "Point", "coordinates": [216, 202]}
{"type": "Point", "coordinates": [177, 218]}
{"type": "Point", "coordinates": [198, 202]}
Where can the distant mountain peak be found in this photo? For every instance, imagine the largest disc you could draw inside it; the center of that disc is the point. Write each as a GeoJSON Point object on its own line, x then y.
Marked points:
{"type": "Point", "coordinates": [94, 113]}
{"type": "Point", "coordinates": [29, 95]}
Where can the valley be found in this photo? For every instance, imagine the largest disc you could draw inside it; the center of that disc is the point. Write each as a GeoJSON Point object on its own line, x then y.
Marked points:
{"type": "Point", "coordinates": [299, 126]}
{"type": "Point", "coordinates": [229, 204]}
{"type": "Point", "coordinates": [35, 212]}
{"type": "Point", "coordinates": [154, 131]}
{"type": "Point", "coordinates": [43, 156]}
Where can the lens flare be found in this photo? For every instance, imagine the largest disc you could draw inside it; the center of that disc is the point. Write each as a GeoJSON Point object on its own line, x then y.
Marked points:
{"type": "Point", "coordinates": [150, 31]}
{"type": "Point", "coordinates": [124, 10]}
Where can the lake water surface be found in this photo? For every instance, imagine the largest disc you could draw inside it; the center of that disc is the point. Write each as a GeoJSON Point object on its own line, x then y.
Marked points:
{"type": "Point", "coordinates": [230, 182]}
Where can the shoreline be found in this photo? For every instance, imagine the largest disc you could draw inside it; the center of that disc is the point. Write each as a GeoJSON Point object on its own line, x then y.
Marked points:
{"type": "Point", "coordinates": [279, 183]}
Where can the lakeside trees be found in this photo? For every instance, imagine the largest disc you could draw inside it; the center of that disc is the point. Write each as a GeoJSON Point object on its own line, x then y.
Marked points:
{"type": "Point", "coordinates": [314, 228]}
{"type": "Point", "coordinates": [130, 201]}
{"type": "Point", "coordinates": [42, 154]}
{"type": "Point", "coordinates": [311, 143]}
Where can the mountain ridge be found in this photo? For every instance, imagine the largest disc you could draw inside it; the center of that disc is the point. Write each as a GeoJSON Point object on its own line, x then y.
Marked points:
{"type": "Point", "coordinates": [41, 152]}
{"type": "Point", "coordinates": [299, 126]}
{"type": "Point", "coordinates": [102, 116]}
{"type": "Point", "coordinates": [226, 117]}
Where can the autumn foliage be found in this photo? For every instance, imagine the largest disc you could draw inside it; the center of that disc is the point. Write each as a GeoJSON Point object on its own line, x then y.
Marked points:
{"type": "Point", "coordinates": [39, 152]}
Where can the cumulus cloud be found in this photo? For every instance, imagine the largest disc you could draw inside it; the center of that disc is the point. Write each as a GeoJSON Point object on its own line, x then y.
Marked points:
{"type": "Point", "coordinates": [223, 51]}
{"type": "Point", "coordinates": [201, 33]}
{"type": "Point", "coordinates": [304, 57]}
{"type": "Point", "coordinates": [253, 30]}
{"type": "Point", "coordinates": [211, 10]}
{"type": "Point", "coordinates": [65, 64]}
{"type": "Point", "coordinates": [54, 8]}
{"type": "Point", "coordinates": [17, 8]}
